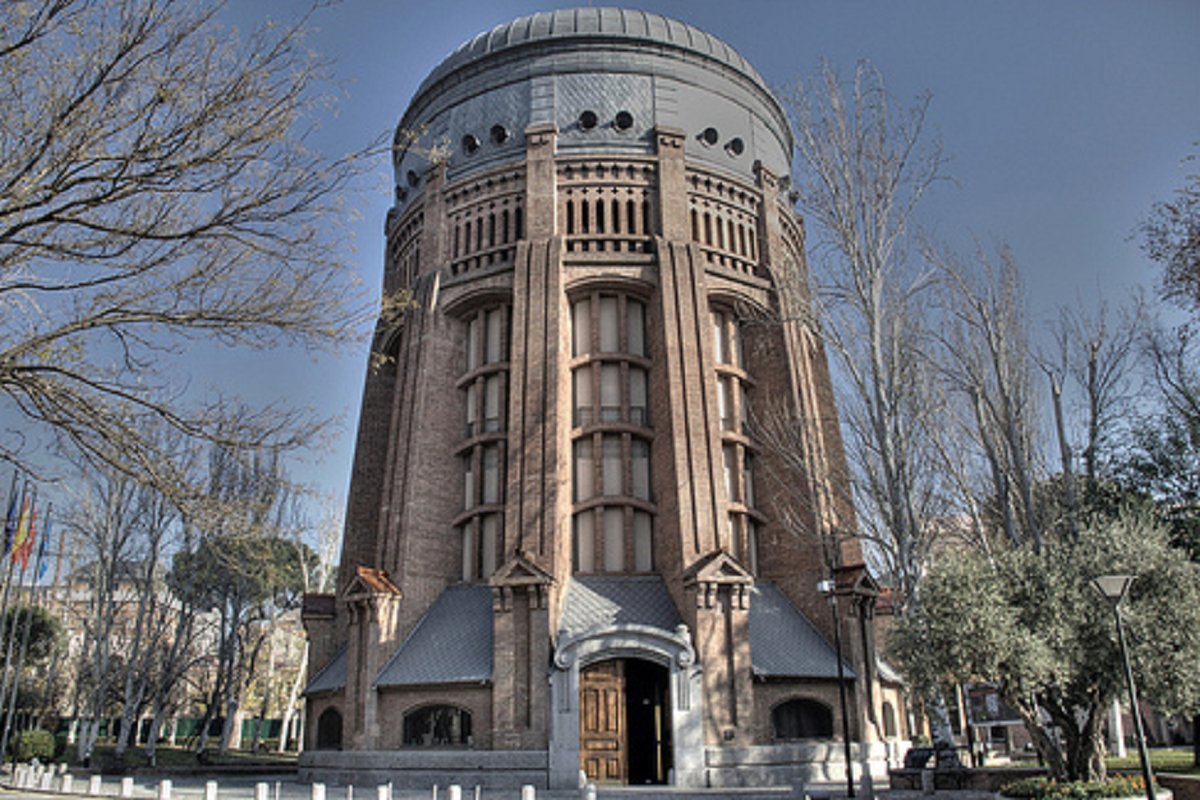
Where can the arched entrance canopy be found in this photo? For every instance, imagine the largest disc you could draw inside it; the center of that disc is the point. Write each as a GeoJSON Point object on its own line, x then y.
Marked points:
{"type": "Point", "coordinates": [632, 618]}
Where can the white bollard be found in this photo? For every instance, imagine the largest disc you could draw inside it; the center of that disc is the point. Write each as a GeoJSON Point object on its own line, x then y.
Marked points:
{"type": "Point", "coordinates": [164, 789]}
{"type": "Point", "coordinates": [528, 792]}
{"type": "Point", "coordinates": [589, 792]}
{"type": "Point", "coordinates": [455, 792]}
{"type": "Point", "coordinates": [318, 791]}
{"type": "Point", "coordinates": [94, 784]}
{"type": "Point", "coordinates": [478, 791]}
{"type": "Point", "coordinates": [210, 790]}
{"type": "Point", "coordinates": [350, 792]}
{"type": "Point", "coordinates": [68, 783]}
{"type": "Point", "coordinates": [262, 791]}
{"type": "Point", "coordinates": [126, 787]}
{"type": "Point", "coordinates": [435, 791]}
{"type": "Point", "coordinates": [582, 780]}
{"type": "Point", "coordinates": [47, 777]}
{"type": "Point", "coordinates": [381, 792]}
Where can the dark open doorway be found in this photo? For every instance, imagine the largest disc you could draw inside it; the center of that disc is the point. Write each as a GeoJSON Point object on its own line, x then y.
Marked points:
{"type": "Point", "coordinates": [648, 709]}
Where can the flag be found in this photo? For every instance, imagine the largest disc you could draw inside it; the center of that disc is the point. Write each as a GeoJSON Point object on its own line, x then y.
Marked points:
{"type": "Point", "coordinates": [42, 561]}
{"type": "Point", "coordinates": [18, 541]}
{"type": "Point", "coordinates": [10, 522]}
{"type": "Point", "coordinates": [26, 547]}
{"type": "Point", "coordinates": [22, 533]}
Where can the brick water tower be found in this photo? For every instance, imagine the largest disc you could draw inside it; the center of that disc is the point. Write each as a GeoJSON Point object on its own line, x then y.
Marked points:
{"type": "Point", "coordinates": [567, 546]}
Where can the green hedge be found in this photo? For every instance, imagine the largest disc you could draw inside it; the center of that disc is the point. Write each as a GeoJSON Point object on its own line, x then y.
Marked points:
{"type": "Point", "coordinates": [37, 744]}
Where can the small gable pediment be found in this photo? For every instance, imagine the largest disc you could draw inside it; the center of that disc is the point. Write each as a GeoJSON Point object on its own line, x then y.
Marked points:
{"type": "Point", "coordinates": [368, 582]}
{"type": "Point", "coordinates": [718, 567]}
{"type": "Point", "coordinates": [520, 570]}
{"type": "Point", "coordinates": [856, 579]}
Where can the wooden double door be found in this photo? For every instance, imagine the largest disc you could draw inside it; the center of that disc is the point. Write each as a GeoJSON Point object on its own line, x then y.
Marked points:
{"type": "Point", "coordinates": [625, 722]}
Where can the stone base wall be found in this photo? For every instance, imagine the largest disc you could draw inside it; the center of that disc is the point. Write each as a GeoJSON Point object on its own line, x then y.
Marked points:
{"type": "Point", "coordinates": [799, 764]}
{"type": "Point", "coordinates": [422, 769]}
{"type": "Point", "coordinates": [1183, 787]}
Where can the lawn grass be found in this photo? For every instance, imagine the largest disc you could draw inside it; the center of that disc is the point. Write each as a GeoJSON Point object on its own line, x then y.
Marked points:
{"type": "Point", "coordinates": [1176, 760]}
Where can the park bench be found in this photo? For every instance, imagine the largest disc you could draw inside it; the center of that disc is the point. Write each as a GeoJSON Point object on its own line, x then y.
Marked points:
{"type": "Point", "coordinates": [947, 767]}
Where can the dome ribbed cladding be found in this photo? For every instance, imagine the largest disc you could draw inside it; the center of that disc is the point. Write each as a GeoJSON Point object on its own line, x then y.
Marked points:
{"type": "Point", "coordinates": [615, 23]}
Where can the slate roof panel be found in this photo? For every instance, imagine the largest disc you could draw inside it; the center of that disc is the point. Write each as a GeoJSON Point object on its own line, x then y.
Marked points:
{"type": "Point", "coordinates": [599, 603]}
{"type": "Point", "coordinates": [452, 642]}
{"type": "Point", "coordinates": [784, 643]}
{"type": "Point", "coordinates": [332, 677]}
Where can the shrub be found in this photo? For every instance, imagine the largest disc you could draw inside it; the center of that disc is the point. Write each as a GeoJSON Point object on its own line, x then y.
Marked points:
{"type": "Point", "coordinates": [1042, 788]}
{"type": "Point", "coordinates": [37, 744]}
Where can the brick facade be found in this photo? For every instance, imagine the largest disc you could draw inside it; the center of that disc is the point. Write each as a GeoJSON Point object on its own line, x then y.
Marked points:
{"type": "Point", "coordinates": [622, 173]}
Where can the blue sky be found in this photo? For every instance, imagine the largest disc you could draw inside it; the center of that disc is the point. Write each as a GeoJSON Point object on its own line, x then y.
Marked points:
{"type": "Point", "coordinates": [1065, 121]}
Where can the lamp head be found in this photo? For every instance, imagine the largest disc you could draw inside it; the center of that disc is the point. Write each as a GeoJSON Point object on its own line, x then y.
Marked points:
{"type": "Point", "coordinates": [1113, 587]}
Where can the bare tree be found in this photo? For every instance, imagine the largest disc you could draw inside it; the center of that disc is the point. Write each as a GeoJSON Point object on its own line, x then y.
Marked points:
{"type": "Point", "coordinates": [865, 164]}
{"type": "Point", "coordinates": [987, 359]}
{"type": "Point", "coordinates": [329, 536]}
{"type": "Point", "coordinates": [1095, 353]}
{"type": "Point", "coordinates": [156, 189]}
{"type": "Point", "coordinates": [103, 523]}
{"type": "Point", "coordinates": [1171, 236]}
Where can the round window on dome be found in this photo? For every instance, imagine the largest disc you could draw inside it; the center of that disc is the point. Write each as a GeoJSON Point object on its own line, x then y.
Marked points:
{"type": "Point", "coordinates": [735, 147]}
{"type": "Point", "coordinates": [500, 134]}
{"type": "Point", "coordinates": [412, 177]}
{"type": "Point", "coordinates": [588, 120]}
{"type": "Point", "coordinates": [470, 143]}
{"type": "Point", "coordinates": [624, 120]}
{"type": "Point", "coordinates": [710, 136]}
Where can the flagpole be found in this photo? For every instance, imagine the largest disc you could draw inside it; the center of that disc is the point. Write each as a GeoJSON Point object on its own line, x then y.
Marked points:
{"type": "Point", "coordinates": [28, 620]}
{"type": "Point", "coordinates": [10, 529]}
{"type": "Point", "coordinates": [4, 688]}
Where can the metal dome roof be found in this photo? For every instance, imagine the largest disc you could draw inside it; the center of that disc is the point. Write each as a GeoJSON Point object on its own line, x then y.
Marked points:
{"type": "Point", "coordinates": [599, 23]}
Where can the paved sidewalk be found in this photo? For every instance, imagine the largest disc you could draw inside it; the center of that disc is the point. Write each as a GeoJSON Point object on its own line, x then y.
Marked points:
{"type": "Point", "coordinates": [287, 787]}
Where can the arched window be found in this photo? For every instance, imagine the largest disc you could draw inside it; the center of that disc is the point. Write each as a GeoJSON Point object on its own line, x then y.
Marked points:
{"type": "Point", "coordinates": [329, 730]}
{"type": "Point", "coordinates": [432, 726]}
{"type": "Point", "coordinates": [890, 730]}
{"type": "Point", "coordinates": [802, 719]}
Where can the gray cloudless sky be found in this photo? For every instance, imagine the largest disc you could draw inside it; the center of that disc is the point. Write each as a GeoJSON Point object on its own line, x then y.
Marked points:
{"type": "Point", "coordinates": [1065, 120]}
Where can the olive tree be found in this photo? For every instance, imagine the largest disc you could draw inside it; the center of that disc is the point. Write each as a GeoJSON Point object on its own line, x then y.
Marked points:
{"type": "Point", "coordinates": [1029, 617]}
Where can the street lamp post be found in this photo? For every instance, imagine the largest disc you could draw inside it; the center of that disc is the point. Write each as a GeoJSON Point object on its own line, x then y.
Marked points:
{"type": "Point", "coordinates": [828, 589]}
{"type": "Point", "coordinates": [1114, 588]}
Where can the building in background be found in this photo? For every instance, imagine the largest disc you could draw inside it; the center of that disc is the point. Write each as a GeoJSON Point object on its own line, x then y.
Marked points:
{"type": "Point", "coordinates": [564, 550]}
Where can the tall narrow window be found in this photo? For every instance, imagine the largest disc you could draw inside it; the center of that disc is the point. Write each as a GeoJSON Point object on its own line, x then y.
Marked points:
{"type": "Point", "coordinates": [731, 380]}
{"type": "Point", "coordinates": [612, 465]}
{"type": "Point", "coordinates": [610, 325]}
{"type": "Point", "coordinates": [484, 392]}
{"type": "Point", "coordinates": [611, 459]}
{"type": "Point", "coordinates": [639, 397]}
{"type": "Point", "coordinates": [585, 541]}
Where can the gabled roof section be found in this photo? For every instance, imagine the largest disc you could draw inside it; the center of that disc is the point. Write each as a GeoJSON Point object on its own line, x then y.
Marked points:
{"type": "Point", "coordinates": [521, 570]}
{"type": "Point", "coordinates": [332, 677]}
{"type": "Point", "coordinates": [718, 567]}
{"type": "Point", "coordinates": [452, 642]}
{"type": "Point", "coordinates": [596, 604]}
{"type": "Point", "coordinates": [784, 643]}
{"type": "Point", "coordinates": [368, 581]}
{"type": "Point", "coordinates": [855, 579]}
